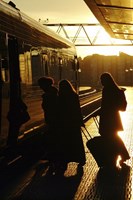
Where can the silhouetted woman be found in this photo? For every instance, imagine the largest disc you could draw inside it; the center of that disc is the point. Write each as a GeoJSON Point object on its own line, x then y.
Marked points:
{"type": "Point", "coordinates": [110, 120]}
{"type": "Point", "coordinates": [70, 122]}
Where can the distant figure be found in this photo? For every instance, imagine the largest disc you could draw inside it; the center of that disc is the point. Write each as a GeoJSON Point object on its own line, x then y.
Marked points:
{"type": "Point", "coordinates": [113, 100]}
{"type": "Point", "coordinates": [71, 148]}
{"type": "Point", "coordinates": [49, 105]}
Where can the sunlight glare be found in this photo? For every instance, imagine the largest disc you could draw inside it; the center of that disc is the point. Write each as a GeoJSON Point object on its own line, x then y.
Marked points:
{"type": "Point", "coordinates": [124, 122]}
{"type": "Point", "coordinates": [118, 162]}
{"type": "Point", "coordinates": [122, 136]}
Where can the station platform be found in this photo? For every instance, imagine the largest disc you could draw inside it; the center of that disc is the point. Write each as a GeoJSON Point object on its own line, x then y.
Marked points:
{"type": "Point", "coordinates": [91, 183]}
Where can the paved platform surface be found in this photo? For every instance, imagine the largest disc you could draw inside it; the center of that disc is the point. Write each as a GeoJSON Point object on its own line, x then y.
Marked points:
{"type": "Point", "coordinates": [91, 183]}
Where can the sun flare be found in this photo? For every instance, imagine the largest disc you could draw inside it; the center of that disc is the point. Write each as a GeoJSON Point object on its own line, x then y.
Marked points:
{"type": "Point", "coordinates": [124, 121]}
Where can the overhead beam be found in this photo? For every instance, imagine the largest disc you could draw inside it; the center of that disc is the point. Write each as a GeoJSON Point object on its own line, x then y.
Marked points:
{"type": "Point", "coordinates": [82, 27]}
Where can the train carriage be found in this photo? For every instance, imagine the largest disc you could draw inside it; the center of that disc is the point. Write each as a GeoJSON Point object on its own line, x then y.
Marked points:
{"type": "Point", "coordinates": [28, 51]}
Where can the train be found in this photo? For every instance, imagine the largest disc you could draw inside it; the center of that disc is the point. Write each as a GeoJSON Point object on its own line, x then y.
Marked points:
{"type": "Point", "coordinates": [28, 51]}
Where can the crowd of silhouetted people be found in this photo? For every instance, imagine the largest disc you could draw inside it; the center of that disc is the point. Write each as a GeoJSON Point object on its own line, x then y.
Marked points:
{"type": "Point", "coordinates": [63, 118]}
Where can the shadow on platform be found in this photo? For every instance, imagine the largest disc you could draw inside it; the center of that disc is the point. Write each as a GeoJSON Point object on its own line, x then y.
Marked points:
{"type": "Point", "coordinates": [110, 185]}
{"type": "Point", "coordinates": [50, 187]}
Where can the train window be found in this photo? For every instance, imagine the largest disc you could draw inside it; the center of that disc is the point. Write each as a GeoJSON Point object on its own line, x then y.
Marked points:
{"type": "Point", "coordinates": [60, 61]}
{"type": "Point", "coordinates": [53, 60]}
{"type": "Point", "coordinates": [32, 67]}
{"type": "Point", "coordinates": [65, 62]}
{"type": "Point", "coordinates": [70, 64]}
{"type": "Point", "coordinates": [4, 70]}
{"type": "Point", "coordinates": [37, 65]}
{"type": "Point", "coordinates": [45, 64]}
{"type": "Point", "coordinates": [33, 64]}
{"type": "Point", "coordinates": [3, 57]}
{"type": "Point", "coordinates": [25, 67]}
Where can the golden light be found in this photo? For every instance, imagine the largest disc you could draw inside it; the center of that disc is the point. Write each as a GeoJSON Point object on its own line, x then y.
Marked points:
{"type": "Point", "coordinates": [118, 162]}
{"type": "Point", "coordinates": [124, 121]}
{"type": "Point", "coordinates": [121, 134]}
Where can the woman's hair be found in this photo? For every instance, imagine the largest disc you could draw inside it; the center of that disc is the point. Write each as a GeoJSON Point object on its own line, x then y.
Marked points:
{"type": "Point", "coordinates": [66, 87]}
{"type": "Point", "coordinates": [108, 80]}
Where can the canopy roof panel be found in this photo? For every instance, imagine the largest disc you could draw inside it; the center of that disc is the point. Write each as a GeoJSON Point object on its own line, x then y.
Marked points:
{"type": "Point", "coordinates": [116, 16]}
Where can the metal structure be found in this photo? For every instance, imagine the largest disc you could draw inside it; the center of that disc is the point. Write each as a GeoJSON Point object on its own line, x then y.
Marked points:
{"type": "Point", "coordinates": [116, 16]}
{"type": "Point", "coordinates": [88, 34]}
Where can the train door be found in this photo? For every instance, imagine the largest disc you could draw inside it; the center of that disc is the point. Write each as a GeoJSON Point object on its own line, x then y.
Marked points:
{"type": "Point", "coordinates": [15, 93]}
{"type": "Point", "coordinates": [4, 90]}
{"type": "Point", "coordinates": [0, 90]}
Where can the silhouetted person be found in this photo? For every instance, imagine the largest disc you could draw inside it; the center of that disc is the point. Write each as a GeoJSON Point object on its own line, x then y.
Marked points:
{"type": "Point", "coordinates": [49, 106]}
{"type": "Point", "coordinates": [110, 121]}
{"type": "Point", "coordinates": [49, 100]}
{"type": "Point", "coordinates": [70, 120]}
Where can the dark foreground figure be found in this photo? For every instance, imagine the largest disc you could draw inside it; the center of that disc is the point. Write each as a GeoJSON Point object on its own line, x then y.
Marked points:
{"type": "Point", "coordinates": [70, 146]}
{"type": "Point", "coordinates": [113, 101]}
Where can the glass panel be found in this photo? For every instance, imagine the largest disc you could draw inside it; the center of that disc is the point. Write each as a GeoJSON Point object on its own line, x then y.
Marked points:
{"type": "Point", "coordinates": [124, 36]}
{"type": "Point", "coordinates": [118, 15]}
{"type": "Point", "coordinates": [124, 3]}
{"type": "Point", "coordinates": [32, 66]}
{"type": "Point", "coordinates": [122, 28]}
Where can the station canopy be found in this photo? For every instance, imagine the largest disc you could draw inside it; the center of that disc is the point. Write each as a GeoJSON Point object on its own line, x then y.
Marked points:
{"type": "Point", "coordinates": [116, 16]}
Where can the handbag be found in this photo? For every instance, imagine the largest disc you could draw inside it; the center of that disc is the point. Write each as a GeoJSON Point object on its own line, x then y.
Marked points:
{"type": "Point", "coordinates": [23, 116]}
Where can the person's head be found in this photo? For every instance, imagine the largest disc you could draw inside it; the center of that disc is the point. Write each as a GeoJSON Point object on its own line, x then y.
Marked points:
{"type": "Point", "coordinates": [65, 87]}
{"type": "Point", "coordinates": [107, 80]}
{"type": "Point", "coordinates": [45, 82]}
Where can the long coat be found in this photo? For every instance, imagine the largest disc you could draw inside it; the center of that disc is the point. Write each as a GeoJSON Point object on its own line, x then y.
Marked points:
{"type": "Point", "coordinates": [71, 148]}
{"type": "Point", "coordinates": [110, 120]}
